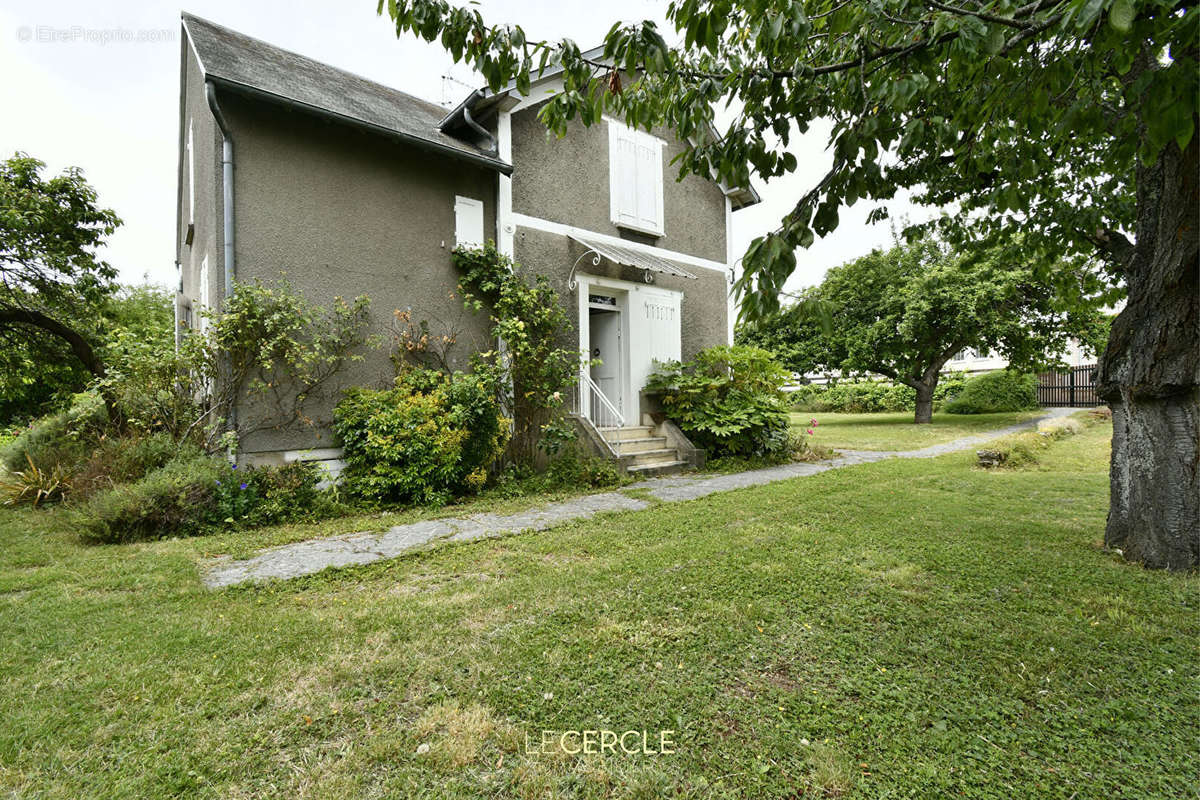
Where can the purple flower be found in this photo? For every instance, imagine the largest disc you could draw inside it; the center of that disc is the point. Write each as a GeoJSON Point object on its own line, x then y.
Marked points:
{"type": "Point", "coordinates": [218, 483]}
{"type": "Point", "coordinates": [243, 486]}
{"type": "Point", "coordinates": [234, 466]}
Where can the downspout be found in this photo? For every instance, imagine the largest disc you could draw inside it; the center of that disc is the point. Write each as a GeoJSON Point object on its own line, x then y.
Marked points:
{"type": "Point", "coordinates": [227, 214]}
{"type": "Point", "coordinates": [493, 148]}
{"type": "Point", "coordinates": [226, 185]}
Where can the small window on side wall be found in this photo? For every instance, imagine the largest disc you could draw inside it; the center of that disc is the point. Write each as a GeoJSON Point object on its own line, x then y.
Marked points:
{"type": "Point", "coordinates": [635, 179]}
{"type": "Point", "coordinates": [468, 222]}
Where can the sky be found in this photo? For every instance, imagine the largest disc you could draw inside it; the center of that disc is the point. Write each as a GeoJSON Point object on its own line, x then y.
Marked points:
{"type": "Point", "coordinates": [96, 86]}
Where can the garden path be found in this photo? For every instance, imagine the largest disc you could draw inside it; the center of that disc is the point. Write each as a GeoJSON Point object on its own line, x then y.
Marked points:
{"type": "Point", "coordinates": [314, 555]}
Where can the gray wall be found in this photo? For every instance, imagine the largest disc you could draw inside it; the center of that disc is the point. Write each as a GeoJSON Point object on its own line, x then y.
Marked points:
{"type": "Point", "coordinates": [345, 213]}
{"type": "Point", "coordinates": [566, 181]}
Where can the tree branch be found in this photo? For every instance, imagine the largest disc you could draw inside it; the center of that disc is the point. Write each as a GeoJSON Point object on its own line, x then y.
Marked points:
{"type": "Point", "coordinates": [80, 347]}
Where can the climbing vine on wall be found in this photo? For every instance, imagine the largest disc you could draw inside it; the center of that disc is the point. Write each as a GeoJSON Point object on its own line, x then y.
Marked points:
{"type": "Point", "coordinates": [528, 321]}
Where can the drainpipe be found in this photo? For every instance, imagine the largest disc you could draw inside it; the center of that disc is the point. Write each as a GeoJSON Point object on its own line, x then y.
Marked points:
{"type": "Point", "coordinates": [227, 208]}
{"type": "Point", "coordinates": [226, 185]}
{"type": "Point", "coordinates": [475, 126]}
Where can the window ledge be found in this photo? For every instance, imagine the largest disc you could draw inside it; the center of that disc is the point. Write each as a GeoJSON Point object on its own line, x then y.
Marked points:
{"type": "Point", "coordinates": [629, 226]}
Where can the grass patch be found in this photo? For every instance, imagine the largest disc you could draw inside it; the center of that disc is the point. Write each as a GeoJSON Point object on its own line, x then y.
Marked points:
{"type": "Point", "coordinates": [896, 431]}
{"type": "Point", "coordinates": [929, 628]}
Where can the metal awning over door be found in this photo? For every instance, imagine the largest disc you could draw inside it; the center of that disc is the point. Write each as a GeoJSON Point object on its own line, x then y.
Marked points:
{"type": "Point", "coordinates": [629, 257]}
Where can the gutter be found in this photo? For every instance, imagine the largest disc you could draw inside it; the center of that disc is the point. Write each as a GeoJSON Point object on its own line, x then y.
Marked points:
{"type": "Point", "coordinates": [227, 219]}
{"type": "Point", "coordinates": [493, 147]}
{"type": "Point", "coordinates": [406, 138]}
{"type": "Point", "coordinates": [226, 185]}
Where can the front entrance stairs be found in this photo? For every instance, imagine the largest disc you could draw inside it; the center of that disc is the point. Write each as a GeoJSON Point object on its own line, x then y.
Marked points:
{"type": "Point", "coordinates": [649, 455]}
{"type": "Point", "coordinates": [643, 451]}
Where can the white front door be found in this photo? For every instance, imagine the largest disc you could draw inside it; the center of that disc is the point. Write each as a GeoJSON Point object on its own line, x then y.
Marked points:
{"type": "Point", "coordinates": [606, 353]}
{"type": "Point", "coordinates": [629, 327]}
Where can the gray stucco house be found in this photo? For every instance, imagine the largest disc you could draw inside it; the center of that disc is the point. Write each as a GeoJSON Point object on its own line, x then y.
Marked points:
{"type": "Point", "coordinates": [351, 187]}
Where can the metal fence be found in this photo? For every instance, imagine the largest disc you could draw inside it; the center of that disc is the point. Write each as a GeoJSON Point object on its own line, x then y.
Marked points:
{"type": "Point", "coordinates": [1075, 387]}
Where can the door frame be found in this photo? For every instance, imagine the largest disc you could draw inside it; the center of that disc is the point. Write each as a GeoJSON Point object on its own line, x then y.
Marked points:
{"type": "Point", "coordinates": [627, 403]}
{"type": "Point", "coordinates": [622, 356]}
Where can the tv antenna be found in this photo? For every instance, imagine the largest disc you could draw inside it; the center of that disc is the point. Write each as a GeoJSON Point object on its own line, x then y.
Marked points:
{"type": "Point", "coordinates": [449, 93]}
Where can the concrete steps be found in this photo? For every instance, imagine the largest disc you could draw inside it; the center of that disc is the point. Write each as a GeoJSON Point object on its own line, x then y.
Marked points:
{"type": "Point", "coordinates": [658, 469]}
{"type": "Point", "coordinates": [644, 454]}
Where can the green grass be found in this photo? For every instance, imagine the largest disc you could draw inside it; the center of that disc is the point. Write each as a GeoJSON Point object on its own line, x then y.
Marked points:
{"type": "Point", "coordinates": [896, 431]}
{"type": "Point", "coordinates": [930, 629]}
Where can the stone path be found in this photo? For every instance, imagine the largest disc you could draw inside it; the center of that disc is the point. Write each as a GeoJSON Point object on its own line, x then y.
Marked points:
{"type": "Point", "coordinates": [305, 558]}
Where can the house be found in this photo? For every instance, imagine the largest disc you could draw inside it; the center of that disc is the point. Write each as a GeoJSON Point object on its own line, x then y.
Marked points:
{"type": "Point", "coordinates": [351, 187]}
{"type": "Point", "coordinates": [972, 360]}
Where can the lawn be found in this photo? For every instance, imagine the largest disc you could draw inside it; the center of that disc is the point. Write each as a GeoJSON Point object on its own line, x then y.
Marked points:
{"type": "Point", "coordinates": [901, 629]}
{"type": "Point", "coordinates": [888, 431]}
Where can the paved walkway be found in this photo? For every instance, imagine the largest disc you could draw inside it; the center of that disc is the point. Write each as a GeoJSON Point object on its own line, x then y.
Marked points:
{"type": "Point", "coordinates": [305, 558]}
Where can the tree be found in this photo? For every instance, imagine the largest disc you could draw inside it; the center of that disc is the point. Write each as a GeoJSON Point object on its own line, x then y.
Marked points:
{"type": "Point", "coordinates": [1071, 121]}
{"type": "Point", "coordinates": [53, 287]}
{"type": "Point", "coordinates": [904, 312]}
{"type": "Point", "coordinates": [38, 374]}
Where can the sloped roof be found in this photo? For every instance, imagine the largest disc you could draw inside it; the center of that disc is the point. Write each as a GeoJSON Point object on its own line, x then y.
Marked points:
{"type": "Point", "coordinates": [242, 63]}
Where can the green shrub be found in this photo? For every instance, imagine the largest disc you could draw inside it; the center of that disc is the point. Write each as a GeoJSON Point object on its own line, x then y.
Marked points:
{"type": "Point", "coordinates": [285, 493]}
{"type": "Point", "coordinates": [727, 400]}
{"type": "Point", "coordinates": [194, 493]}
{"type": "Point", "coordinates": [33, 485]}
{"type": "Point", "coordinates": [424, 441]}
{"type": "Point", "coordinates": [176, 500]}
{"type": "Point", "coordinates": [574, 470]}
{"type": "Point", "coordinates": [991, 392]}
{"type": "Point", "coordinates": [125, 459]}
{"type": "Point", "coordinates": [62, 439]}
{"type": "Point", "coordinates": [859, 396]}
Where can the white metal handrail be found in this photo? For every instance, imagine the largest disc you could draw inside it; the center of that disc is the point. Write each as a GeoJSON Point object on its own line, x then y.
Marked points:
{"type": "Point", "coordinates": [592, 404]}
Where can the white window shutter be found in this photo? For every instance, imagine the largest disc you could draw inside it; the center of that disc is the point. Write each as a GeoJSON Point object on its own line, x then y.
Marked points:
{"type": "Point", "coordinates": [635, 178]}
{"type": "Point", "coordinates": [468, 222]}
{"type": "Point", "coordinates": [623, 171]}
{"type": "Point", "coordinates": [202, 300]}
{"type": "Point", "coordinates": [649, 189]}
{"type": "Point", "coordinates": [191, 156]}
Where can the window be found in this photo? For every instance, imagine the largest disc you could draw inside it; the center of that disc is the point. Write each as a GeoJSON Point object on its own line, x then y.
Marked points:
{"type": "Point", "coordinates": [635, 179]}
{"type": "Point", "coordinates": [190, 235]}
{"type": "Point", "coordinates": [203, 300]}
{"type": "Point", "coordinates": [468, 222]}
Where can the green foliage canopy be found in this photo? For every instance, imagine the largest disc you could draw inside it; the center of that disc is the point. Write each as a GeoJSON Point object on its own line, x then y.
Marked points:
{"type": "Point", "coordinates": [1035, 112]}
{"type": "Point", "coordinates": [54, 288]}
{"type": "Point", "coordinates": [904, 312]}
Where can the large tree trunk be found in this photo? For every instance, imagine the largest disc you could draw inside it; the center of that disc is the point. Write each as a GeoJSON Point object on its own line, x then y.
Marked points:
{"type": "Point", "coordinates": [924, 402]}
{"type": "Point", "coordinates": [1150, 373]}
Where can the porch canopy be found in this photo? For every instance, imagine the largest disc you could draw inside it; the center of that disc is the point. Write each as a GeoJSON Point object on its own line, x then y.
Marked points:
{"type": "Point", "coordinates": [629, 257]}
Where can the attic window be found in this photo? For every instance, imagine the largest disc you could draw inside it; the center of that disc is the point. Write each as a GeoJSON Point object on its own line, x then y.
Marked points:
{"type": "Point", "coordinates": [635, 179]}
